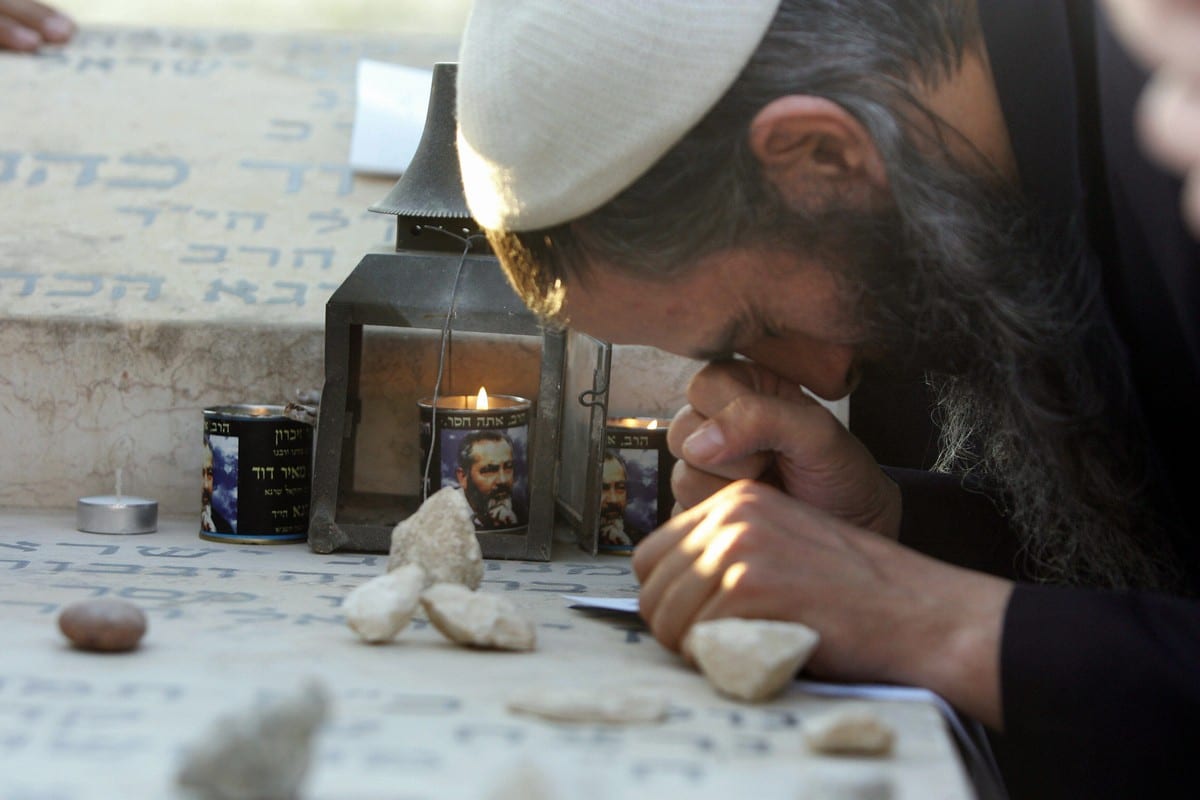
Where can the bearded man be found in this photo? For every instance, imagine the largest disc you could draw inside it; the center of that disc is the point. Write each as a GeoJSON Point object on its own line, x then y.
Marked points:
{"type": "Point", "coordinates": [211, 519]}
{"type": "Point", "coordinates": [617, 533]}
{"type": "Point", "coordinates": [833, 194]}
{"type": "Point", "coordinates": [485, 472]}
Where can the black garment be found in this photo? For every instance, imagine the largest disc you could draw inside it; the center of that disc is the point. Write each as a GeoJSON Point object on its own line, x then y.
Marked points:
{"type": "Point", "coordinates": [1100, 689]}
{"type": "Point", "coordinates": [1101, 694]}
{"type": "Point", "coordinates": [1068, 93]}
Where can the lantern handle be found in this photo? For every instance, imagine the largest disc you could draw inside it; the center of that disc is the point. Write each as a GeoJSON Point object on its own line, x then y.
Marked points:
{"type": "Point", "coordinates": [590, 398]}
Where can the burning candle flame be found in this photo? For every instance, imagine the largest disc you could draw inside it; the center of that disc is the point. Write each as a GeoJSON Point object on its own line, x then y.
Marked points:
{"type": "Point", "coordinates": [481, 400]}
{"type": "Point", "coordinates": [653, 424]}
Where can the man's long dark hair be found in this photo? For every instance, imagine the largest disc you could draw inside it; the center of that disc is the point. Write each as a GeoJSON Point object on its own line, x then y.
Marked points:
{"type": "Point", "coordinates": [955, 273]}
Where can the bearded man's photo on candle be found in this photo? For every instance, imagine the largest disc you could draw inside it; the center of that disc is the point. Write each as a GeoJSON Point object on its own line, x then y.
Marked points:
{"type": "Point", "coordinates": [480, 444]}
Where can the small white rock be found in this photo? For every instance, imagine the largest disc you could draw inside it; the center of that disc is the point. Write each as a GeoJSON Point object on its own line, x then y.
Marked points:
{"type": "Point", "coordinates": [749, 659]}
{"type": "Point", "coordinates": [845, 782]}
{"type": "Point", "coordinates": [440, 538]}
{"type": "Point", "coordinates": [591, 705]}
{"type": "Point", "coordinates": [477, 619]}
{"type": "Point", "coordinates": [853, 729]}
{"type": "Point", "coordinates": [554, 775]}
{"type": "Point", "coordinates": [525, 781]}
{"type": "Point", "coordinates": [260, 753]}
{"type": "Point", "coordinates": [383, 606]}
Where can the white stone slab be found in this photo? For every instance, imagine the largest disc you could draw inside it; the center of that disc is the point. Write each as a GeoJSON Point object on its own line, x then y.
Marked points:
{"type": "Point", "coordinates": [417, 718]}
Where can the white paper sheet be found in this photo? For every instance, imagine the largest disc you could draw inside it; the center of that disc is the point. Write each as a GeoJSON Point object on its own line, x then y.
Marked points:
{"type": "Point", "coordinates": [389, 115]}
{"type": "Point", "coordinates": [628, 605]}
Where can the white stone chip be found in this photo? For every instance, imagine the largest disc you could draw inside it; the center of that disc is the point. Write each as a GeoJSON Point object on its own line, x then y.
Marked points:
{"type": "Point", "coordinates": [854, 729]}
{"type": "Point", "coordinates": [383, 606]}
{"type": "Point", "coordinates": [440, 538]}
{"type": "Point", "coordinates": [477, 619]}
{"type": "Point", "coordinates": [554, 775]}
{"type": "Point", "coordinates": [525, 781]}
{"type": "Point", "coordinates": [261, 753]}
{"type": "Point", "coordinates": [749, 659]}
{"type": "Point", "coordinates": [617, 706]}
{"type": "Point", "coordinates": [845, 782]}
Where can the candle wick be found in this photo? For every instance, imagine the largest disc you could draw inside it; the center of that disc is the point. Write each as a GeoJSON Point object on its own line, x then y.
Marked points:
{"type": "Point", "coordinates": [118, 485]}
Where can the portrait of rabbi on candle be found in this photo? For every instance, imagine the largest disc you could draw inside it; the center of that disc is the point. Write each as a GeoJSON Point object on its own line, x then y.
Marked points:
{"type": "Point", "coordinates": [486, 472]}
{"type": "Point", "coordinates": [218, 500]}
{"type": "Point", "coordinates": [616, 530]}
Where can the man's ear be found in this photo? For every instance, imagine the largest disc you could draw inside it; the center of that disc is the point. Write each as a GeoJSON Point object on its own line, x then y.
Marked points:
{"type": "Point", "coordinates": [810, 148]}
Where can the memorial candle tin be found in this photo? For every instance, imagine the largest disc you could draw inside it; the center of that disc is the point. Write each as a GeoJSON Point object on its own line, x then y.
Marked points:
{"type": "Point", "coordinates": [635, 482]}
{"type": "Point", "coordinates": [256, 481]}
{"type": "Point", "coordinates": [480, 444]}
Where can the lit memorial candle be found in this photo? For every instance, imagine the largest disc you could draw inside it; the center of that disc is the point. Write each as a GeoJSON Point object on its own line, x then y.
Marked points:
{"type": "Point", "coordinates": [635, 481]}
{"type": "Point", "coordinates": [479, 444]}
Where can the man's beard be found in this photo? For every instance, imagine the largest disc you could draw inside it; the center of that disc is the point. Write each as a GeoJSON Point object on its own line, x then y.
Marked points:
{"type": "Point", "coordinates": [499, 501]}
{"type": "Point", "coordinates": [612, 533]}
{"type": "Point", "coordinates": [1004, 323]}
{"type": "Point", "coordinates": [610, 512]}
{"type": "Point", "coordinates": [492, 506]}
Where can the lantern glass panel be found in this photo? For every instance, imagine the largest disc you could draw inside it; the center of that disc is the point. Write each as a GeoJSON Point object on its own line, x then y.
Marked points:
{"type": "Point", "coordinates": [585, 392]}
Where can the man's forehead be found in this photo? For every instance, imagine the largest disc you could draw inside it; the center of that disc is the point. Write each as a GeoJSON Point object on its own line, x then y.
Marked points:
{"type": "Point", "coordinates": [613, 466]}
{"type": "Point", "coordinates": [678, 315]}
{"type": "Point", "coordinates": [492, 448]}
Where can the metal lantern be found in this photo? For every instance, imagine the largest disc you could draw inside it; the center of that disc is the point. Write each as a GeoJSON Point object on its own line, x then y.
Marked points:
{"type": "Point", "coordinates": [414, 288]}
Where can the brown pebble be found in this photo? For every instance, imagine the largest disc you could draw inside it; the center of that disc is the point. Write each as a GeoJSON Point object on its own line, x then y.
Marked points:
{"type": "Point", "coordinates": [106, 625]}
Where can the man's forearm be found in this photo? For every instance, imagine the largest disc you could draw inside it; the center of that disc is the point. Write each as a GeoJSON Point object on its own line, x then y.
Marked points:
{"type": "Point", "coordinates": [948, 637]}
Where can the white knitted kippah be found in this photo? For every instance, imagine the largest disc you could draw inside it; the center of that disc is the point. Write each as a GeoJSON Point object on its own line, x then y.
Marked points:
{"type": "Point", "coordinates": [564, 103]}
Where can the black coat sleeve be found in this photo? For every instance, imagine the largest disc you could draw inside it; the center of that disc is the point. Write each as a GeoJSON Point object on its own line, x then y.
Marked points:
{"type": "Point", "coordinates": [1101, 694]}
{"type": "Point", "coordinates": [1100, 689]}
{"type": "Point", "coordinates": [947, 519]}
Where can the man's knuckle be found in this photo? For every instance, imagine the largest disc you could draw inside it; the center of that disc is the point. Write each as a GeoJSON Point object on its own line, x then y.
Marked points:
{"type": "Point", "coordinates": [748, 493]}
{"type": "Point", "coordinates": [747, 408]}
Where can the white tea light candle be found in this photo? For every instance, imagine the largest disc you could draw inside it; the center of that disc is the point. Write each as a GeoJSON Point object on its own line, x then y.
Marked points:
{"type": "Point", "coordinates": [116, 513]}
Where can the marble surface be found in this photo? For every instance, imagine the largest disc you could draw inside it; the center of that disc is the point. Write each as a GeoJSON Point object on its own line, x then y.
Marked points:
{"type": "Point", "coordinates": [187, 175]}
{"type": "Point", "coordinates": [177, 210]}
{"type": "Point", "coordinates": [418, 718]}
